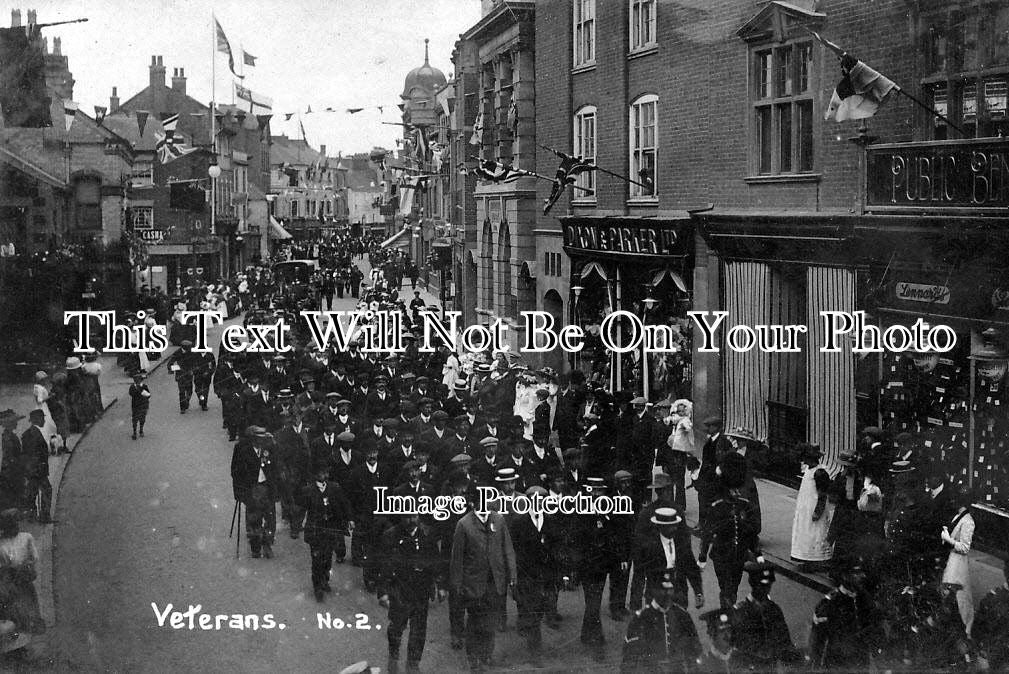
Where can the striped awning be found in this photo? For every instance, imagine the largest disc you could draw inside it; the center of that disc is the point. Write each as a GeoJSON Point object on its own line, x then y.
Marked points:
{"type": "Point", "coordinates": [395, 237]}
{"type": "Point", "coordinates": [277, 231]}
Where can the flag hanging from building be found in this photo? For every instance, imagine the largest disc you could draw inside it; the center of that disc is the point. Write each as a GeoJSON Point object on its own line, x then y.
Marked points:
{"type": "Point", "coordinates": [492, 171]}
{"type": "Point", "coordinates": [170, 148]}
{"type": "Point", "coordinates": [69, 112]}
{"type": "Point", "coordinates": [100, 111]}
{"type": "Point", "coordinates": [421, 146]}
{"type": "Point", "coordinates": [169, 120]}
{"type": "Point", "coordinates": [859, 93]}
{"type": "Point", "coordinates": [513, 116]}
{"type": "Point", "coordinates": [248, 59]}
{"type": "Point", "coordinates": [224, 47]}
{"type": "Point", "coordinates": [477, 137]}
{"type": "Point", "coordinates": [566, 175]}
{"type": "Point", "coordinates": [187, 195]}
{"type": "Point", "coordinates": [288, 116]}
{"type": "Point", "coordinates": [24, 100]}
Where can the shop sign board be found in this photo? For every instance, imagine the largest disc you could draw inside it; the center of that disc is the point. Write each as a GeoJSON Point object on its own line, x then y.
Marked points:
{"type": "Point", "coordinates": [152, 235]}
{"type": "Point", "coordinates": [921, 292]}
{"type": "Point", "coordinates": [939, 175]}
{"type": "Point", "coordinates": [630, 237]}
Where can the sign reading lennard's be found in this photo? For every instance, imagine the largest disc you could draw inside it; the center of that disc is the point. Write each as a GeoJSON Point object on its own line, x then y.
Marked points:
{"type": "Point", "coordinates": [971, 174]}
{"type": "Point", "coordinates": [917, 292]}
{"type": "Point", "coordinates": [636, 237]}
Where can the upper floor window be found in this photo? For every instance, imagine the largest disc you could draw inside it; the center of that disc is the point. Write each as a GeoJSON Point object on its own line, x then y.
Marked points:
{"type": "Point", "coordinates": [782, 102]}
{"type": "Point", "coordinates": [143, 217]}
{"type": "Point", "coordinates": [644, 144]}
{"type": "Point", "coordinates": [966, 46]}
{"type": "Point", "coordinates": [585, 32]}
{"type": "Point", "coordinates": [642, 24]}
{"type": "Point", "coordinates": [585, 147]}
{"type": "Point", "coordinates": [294, 209]}
{"type": "Point", "coordinates": [88, 201]}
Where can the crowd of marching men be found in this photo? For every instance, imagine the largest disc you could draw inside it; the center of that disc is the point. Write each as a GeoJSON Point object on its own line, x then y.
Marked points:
{"type": "Point", "coordinates": [318, 431]}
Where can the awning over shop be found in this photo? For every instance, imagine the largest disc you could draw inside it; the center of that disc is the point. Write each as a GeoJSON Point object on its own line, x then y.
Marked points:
{"type": "Point", "coordinates": [395, 237]}
{"type": "Point", "coordinates": [277, 231]}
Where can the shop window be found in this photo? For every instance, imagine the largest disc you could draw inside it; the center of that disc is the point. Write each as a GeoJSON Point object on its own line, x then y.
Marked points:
{"type": "Point", "coordinates": [585, 147]}
{"type": "Point", "coordinates": [966, 58]}
{"type": "Point", "coordinates": [644, 143]}
{"type": "Point", "coordinates": [783, 109]}
{"type": "Point", "coordinates": [584, 32]}
{"type": "Point", "coordinates": [642, 31]}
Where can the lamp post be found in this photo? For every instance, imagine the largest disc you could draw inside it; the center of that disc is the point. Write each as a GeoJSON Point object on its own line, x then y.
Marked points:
{"type": "Point", "coordinates": [648, 304]}
{"type": "Point", "coordinates": [576, 290]}
{"type": "Point", "coordinates": [214, 171]}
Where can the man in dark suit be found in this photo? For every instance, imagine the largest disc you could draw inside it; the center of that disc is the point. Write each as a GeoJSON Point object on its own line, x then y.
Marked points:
{"type": "Point", "coordinates": [481, 571]}
{"type": "Point", "coordinates": [714, 450]}
{"type": "Point", "coordinates": [255, 402]}
{"type": "Point", "coordinates": [380, 403]}
{"type": "Point", "coordinates": [484, 469]}
{"type": "Point", "coordinates": [641, 446]}
{"type": "Point", "coordinates": [542, 459]}
{"type": "Point", "coordinates": [295, 459]}
{"type": "Point", "coordinates": [437, 438]}
{"type": "Point", "coordinates": [203, 375]}
{"type": "Point", "coordinates": [35, 462]}
{"type": "Point", "coordinates": [255, 483]}
{"type": "Point", "coordinates": [410, 578]}
{"type": "Point", "coordinates": [324, 447]}
{"type": "Point", "coordinates": [570, 401]}
{"type": "Point", "coordinates": [364, 479]}
{"type": "Point", "coordinates": [536, 539]}
{"type": "Point", "coordinates": [668, 548]}
{"type": "Point", "coordinates": [541, 415]}
{"type": "Point", "coordinates": [11, 475]}
{"type": "Point", "coordinates": [596, 536]}
{"type": "Point", "coordinates": [184, 364]}
{"type": "Point", "coordinates": [328, 513]}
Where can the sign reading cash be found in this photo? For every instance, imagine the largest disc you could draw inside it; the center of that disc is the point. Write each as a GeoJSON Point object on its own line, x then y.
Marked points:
{"type": "Point", "coordinates": [630, 237]}
{"type": "Point", "coordinates": [970, 174]}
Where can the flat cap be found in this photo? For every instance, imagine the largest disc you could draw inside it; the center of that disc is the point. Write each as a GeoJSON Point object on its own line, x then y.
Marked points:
{"type": "Point", "coordinates": [461, 458]}
{"type": "Point", "coordinates": [489, 440]}
{"type": "Point", "coordinates": [346, 436]}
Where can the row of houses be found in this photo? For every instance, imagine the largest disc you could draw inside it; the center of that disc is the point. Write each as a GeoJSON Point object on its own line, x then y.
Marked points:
{"type": "Point", "coordinates": [721, 186]}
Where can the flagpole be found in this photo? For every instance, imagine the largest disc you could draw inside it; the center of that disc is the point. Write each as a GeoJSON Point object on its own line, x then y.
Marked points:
{"type": "Point", "coordinates": [932, 111]}
{"type": "Point", "coordinates": [599, 168]}
{"type": "Point", "coordinates": [213, 119]}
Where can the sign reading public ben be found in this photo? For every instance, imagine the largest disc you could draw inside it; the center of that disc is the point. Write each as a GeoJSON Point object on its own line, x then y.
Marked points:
{"type": "Point", "coordinates": [970, 174]}
{"type": "Point", "coordinates": [627, 236]}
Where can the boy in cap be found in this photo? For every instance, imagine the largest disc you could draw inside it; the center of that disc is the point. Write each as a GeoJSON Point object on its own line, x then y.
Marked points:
{"type": "Point", "coordinates": [140, 402]}
{"type": "Point", "coordinates": [661, 637]}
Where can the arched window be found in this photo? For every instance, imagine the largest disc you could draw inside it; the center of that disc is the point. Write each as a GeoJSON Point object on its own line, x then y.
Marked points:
{"type": "Point", "coordinates": [486, 270]}
{"type": "Point", "coordinates": [644, 145]}
{"type": "Point", "coordinates": [504, 272]}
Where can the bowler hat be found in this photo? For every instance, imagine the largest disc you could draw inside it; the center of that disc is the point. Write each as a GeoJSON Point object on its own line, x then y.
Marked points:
{"type": "Point", "coordinates": [622, 475]}
{"type": "Point", "coordinates": [10, 415]}
{"type": "Point", "coordinates": [460, 458]}
{"type": "Point", "coordinates": [440, 415]}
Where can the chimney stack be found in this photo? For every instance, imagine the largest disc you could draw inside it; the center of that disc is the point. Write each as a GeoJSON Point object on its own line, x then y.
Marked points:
{"type": "Point", "coordinates": [57, 46]}
{"type": "Point", "coordinates": [31, 17]}
{"type": "Point", "coordinates": [157, 73]}
{"type": "Point", "coordinates": [15, 18]}
{"type": "Point", "coordinates": [114, 101]}
{"type": "Point", "coordinates": [322, 150]}
{"type": "Point", "coordinates": [179, 80]}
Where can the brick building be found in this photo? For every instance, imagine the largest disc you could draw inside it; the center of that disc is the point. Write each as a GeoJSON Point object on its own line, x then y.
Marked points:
{"type": "Point", "coordinates": [308, 190]}
{"type": "Point", "coordinates": [789, 215]}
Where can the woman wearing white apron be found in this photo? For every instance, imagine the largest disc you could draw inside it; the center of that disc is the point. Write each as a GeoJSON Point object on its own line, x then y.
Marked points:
{"type": "Point", "coordinates": [813, 512]}
{"type": "Point", "coordinates": [41, 390]}
{"type": "Point", "coordinates": [959, 534]}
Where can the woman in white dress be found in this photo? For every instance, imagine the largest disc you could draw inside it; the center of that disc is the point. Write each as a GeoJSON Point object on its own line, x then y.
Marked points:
{"type": "Point", "coordinates": [451, 370]}
{"type": "Point", "coordinates": [813, 512]}
{"type": "Point", "coordinates": [42, 389]}
{"type": "Point", "coordinates": [959, 535]}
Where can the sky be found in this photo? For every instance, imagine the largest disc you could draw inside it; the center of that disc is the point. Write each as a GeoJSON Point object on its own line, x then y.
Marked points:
{"type": "Point", "coordinates": [319, 53]}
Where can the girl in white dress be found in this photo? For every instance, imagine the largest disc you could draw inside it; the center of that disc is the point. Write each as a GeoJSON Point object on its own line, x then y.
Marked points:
{"type": "Point", "coordinates": [959, 535]}
{"type": "Point", "coordinates": [813, 511]}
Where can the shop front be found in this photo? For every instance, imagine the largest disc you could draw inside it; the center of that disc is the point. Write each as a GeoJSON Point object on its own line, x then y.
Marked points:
{"type": "Point", "coordinates": [642, 266]}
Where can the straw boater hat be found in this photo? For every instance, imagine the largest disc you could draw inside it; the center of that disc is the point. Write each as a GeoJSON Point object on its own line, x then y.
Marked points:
{"type": "Point", "coordinates": [73, 362]}
{"type": "Point", "coordinates": [742, 434]}
{"type": "Point", "coordinates": [664, 516]}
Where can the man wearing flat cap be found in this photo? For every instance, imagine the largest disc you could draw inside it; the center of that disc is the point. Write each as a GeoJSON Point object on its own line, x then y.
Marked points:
{"type": "Point", "coordinates": [662, 636]}
{"type": "Point", "coordinates": [380, 403]}
{"type": "Point", "coordinates": [255, 483]}
{"type": "Point", "coordinates": [364, 479]}
{"type": "Point", "coordinates": [328, 515]}
{"type": "Point", "coordinates": [255, 402]}
{"type": "Point", "coordinates": [760, 633]}
{"type": "Point", "coordinates": [437, 438]}
{"type": "Point", "coordinates": [483, 470]}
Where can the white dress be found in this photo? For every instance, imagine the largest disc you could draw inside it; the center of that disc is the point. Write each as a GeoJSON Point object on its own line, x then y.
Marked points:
{"type": "Point", "coordinates": [450, 371]}
{"type": "Point", "coordinates": [42, 400]}
{"type": "Point", "coordinates": [809, 538]}
{"type": "Point", "coordinates": [958, 567]}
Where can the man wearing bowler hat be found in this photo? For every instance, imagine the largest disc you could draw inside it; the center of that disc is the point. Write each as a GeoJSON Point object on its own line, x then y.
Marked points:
{"type": "Point", "coordinates": [35, 462]}
{"type": "Point", "coordinates": [256, 484]}
{"type": "Point", "coordinates": [713, 451]}
{"type": "Point", "coordinates": [662, 636]}
{"type": "Point", "coordinates": [184, 364]}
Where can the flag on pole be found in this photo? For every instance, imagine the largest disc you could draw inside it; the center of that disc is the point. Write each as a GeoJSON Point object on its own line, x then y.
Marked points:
{"type": "Point", "coordinates": [477, 137]}
{"type": "Point", "coordinates": [859, 93]}
{"type": "Point", "coordinates": [224, 47]}
{"type": "Point", "coordinates": [252, 97]}
{"type": "Point", "coordinates": [566, 175]}
{"type": "Point", "coordinates": [861, 90]}
{"type": "Point", "coordinates": [492, 171]}
{"type": "Point", "coordinates": [421, 146]}
{"type": "Point", "coordinates": [248, 59]}
{"type": "Point", "coordinates": [69, 112]}
{"type": "Point", "coordinates": [288, 116]}
{"type": "Point", "coordinates": [170, 147]}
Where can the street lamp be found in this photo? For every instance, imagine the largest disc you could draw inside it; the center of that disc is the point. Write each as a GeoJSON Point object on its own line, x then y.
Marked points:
{"type": "Point", "coordinates": [214, 171]}
{"type": "Point", "coordinates": [648, 303]}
